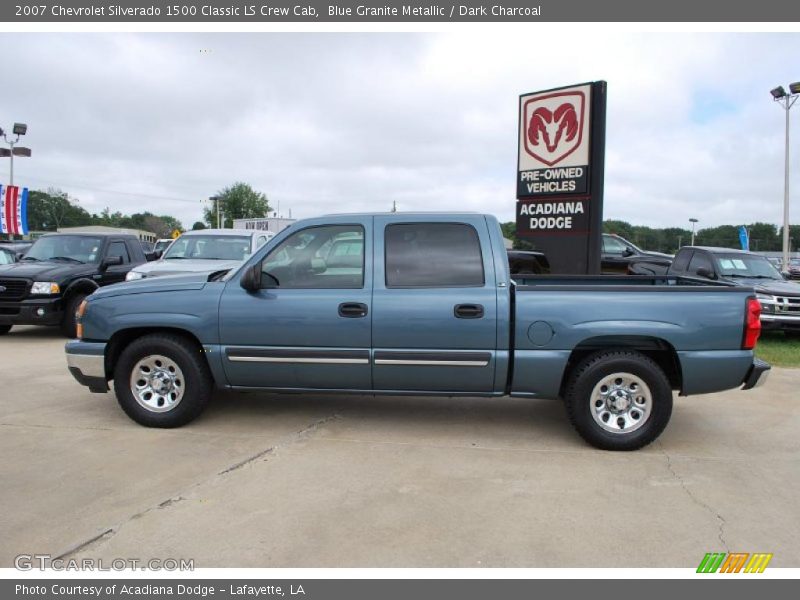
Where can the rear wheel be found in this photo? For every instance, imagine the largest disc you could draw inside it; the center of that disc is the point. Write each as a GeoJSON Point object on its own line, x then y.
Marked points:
{"type": "Point", "coordinates": [4, 329]}
{"type": "Point", "coordinates": [618, 400]}
{"type": "Point", "coordinates": [69, 322]}
{"type": "Point", "coordinates": [162, 380]}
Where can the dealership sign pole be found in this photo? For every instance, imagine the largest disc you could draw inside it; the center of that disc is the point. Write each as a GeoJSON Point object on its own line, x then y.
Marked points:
{"type": "Point", "coordinates": [560, 175]}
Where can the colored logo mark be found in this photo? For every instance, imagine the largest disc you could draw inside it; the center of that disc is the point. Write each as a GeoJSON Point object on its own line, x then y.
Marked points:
{"type": "Point", "coordinates": [734, 562]}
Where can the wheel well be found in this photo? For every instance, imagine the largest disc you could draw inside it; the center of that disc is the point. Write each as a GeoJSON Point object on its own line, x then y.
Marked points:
{"type": "Point", "coordinates": [81, 287]}
{"type": "Point", "coordinates": [657, 349]}
{"type": "Point", "coordinates": [121, 339]}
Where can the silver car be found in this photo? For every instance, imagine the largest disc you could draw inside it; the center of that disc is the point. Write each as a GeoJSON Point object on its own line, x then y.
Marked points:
{"type": "Point", "coordinates": [203, 251]}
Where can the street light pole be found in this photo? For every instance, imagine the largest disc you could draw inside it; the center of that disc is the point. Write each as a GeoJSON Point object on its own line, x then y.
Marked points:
{"type": "Point", "coordinates": [693, 221]}
{"type": "Point", "coordinates": [19, 130]}
{"type": "Point", "coordinates": [786, 101]}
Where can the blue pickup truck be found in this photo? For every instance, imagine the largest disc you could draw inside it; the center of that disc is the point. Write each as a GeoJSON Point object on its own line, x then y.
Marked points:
{"type": "Point", "coordinates": [417, 304]}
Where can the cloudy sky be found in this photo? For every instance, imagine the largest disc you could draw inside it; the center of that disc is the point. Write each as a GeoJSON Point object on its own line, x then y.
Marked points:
{"type": "Point", "coordinates": [352, 122]}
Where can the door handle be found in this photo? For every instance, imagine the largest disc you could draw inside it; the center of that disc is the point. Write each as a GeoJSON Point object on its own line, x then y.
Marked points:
{"type": "Point", "coordinates": [353, 310]}
{"type": "Point", "coordinates": [468, 311]}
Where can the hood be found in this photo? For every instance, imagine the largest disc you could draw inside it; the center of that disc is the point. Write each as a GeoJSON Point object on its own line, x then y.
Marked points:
{"type": "Point", "coordinates": [172, 266]}
{"type": "Point", "coordinates": [176, 283]}
{"type": "Point", "coordinates": [776, 287]}
{"type": "Point", "coordinates": [47, 270]}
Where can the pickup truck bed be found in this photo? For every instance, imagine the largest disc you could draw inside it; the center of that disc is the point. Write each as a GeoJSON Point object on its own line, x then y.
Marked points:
{"type": "Point", "coordinates": [417, 304]}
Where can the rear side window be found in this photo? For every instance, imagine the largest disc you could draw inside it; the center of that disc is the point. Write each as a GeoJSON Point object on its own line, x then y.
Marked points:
{"type": "Point", "coordinates": [433, 255]}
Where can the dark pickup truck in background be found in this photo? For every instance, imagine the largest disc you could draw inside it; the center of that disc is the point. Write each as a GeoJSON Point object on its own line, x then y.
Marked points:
{"type": "Point", "coordinates": [780, 299]}
{"type": "Point", "coordinates": [46, 286]}
{"type": "Point", "coordinates": [619, 256]}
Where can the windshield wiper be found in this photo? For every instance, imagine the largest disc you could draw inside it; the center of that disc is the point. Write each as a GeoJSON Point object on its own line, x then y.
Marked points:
{"type": "Point", "coordinates": [175, 257]}
{"type": "Point", "coordinates": [751, 276]}
{"type": "Point", "coordinates": [29, 258]}
{"type": "Point", "coordinates": [69, 258]}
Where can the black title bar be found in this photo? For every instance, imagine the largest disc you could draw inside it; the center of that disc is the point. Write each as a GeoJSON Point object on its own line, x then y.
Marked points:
{"type": "Point", "coordinates": [522, 11]}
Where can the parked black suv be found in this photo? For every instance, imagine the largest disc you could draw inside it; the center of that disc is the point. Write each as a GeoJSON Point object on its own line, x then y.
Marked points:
{"type": "Point", "coordinates": [780, 299]}
{"type": "Point", "coordinates": [46, 286]}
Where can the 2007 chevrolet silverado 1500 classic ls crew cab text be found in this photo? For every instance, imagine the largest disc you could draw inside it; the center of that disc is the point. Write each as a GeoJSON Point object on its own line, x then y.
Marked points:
{"type": "Point", "coordinates": [418, 304]}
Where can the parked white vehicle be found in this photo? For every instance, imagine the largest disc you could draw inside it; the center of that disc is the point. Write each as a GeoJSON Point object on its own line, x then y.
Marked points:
{"type": "Point", "coordinates": [203, 251]}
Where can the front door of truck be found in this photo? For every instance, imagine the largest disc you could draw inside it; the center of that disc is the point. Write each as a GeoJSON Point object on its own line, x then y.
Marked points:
{"type": "Point", "coordinates": [309, 327]}
{"type": "Point", "coordinates": [434, 305]}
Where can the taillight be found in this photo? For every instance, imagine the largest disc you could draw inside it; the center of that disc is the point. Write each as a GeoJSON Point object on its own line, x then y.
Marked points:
{"type": "Point", "coordinates": [752, 323]}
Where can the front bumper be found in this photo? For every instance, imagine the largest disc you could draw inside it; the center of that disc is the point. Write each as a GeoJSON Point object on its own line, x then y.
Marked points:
{"type": "Point", "coordinates": [757, 375]}
{"type": "Point", "coordinates": [39, 311]}
{"type": "Point", "coordinates": [778, 321]}
{"type": "Point", "coordinates": [87, 363]}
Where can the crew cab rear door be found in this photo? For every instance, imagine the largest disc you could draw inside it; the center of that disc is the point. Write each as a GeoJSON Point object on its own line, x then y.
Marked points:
{"type": "Point", "coordinates": [309, 327]}
{"type": "Point", "coordinates": [434, 304]}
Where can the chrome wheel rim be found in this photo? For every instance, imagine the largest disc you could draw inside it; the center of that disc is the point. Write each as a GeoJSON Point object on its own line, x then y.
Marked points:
{"type": "Point", "coordinates": [621, 403]}
{"type": "Point", "coordinates": [157, 383]}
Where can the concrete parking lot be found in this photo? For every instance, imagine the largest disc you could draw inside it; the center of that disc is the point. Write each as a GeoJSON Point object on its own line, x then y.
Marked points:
{"type": "Point", "coordinates": [324, 481]}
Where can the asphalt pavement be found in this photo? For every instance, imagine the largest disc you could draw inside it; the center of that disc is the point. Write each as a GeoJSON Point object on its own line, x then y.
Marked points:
{"type": "Point", "coordinates": [263, 480]}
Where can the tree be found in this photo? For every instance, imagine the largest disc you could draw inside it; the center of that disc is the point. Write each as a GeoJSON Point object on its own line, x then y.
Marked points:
{"type": "Point", "coordinates": [239, 201]}
{"type": "Point", "coordinates": [198, 225]}
{"type": "Point", "coordinates": [47, 211]}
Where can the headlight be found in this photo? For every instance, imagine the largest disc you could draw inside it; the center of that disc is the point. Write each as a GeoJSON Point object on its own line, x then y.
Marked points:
{"type": "Point", "coordinates": [133, 276]}
{"type": "Point", "coordinates": [767, 302]}
{"type": "Point", "coordinates": [45, 288]}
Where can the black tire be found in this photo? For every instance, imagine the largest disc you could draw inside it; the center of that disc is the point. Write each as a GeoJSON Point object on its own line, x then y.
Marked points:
{"type": "Point", "coordinates": [194, 379]}
{"type": "Point", "coordinates": [585, 413]}
{"type": "Point", "coordinates": [69, 322]}
{"type": "Point", "coordinates": [793, 334]}
{"type": "Point", "coordinates": [4, 329]}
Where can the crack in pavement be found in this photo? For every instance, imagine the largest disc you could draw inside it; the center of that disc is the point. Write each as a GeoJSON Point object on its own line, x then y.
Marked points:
{"type": "Point", "coordinates": [298, 436]}
{"type": "Point", "coordinates": [695, 499]}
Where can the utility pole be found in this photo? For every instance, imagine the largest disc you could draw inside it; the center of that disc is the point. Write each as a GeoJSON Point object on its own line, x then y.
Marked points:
{"type": "Point", "coordinates": [786, 101]}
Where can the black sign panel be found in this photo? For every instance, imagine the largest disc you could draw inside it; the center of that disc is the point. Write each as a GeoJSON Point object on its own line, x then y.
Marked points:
{"type": "Point", "coordinates": [560, 175]}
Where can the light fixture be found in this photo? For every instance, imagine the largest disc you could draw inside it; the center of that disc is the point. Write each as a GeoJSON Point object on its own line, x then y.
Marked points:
{"type": "Point", "coordinates": [778, 92]}
{"type": "Point", "coordinates": [795, 87]}
{"type": "Point", "coordinates": [22, 128]}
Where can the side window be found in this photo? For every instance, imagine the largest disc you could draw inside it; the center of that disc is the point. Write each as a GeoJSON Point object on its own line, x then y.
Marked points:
{"type": "Point", "coordinates": [433, 255]}
{"type": "Point", "coordinates": [118, 249]}
{"type": "Point", "coordinates": [681, 261]}
{"type": "Point", "coordinates": [305, 259]}
{"type": "Point", "coordinates": [612, 245]}
{"type": "Point", "coordinates": [700, 260]}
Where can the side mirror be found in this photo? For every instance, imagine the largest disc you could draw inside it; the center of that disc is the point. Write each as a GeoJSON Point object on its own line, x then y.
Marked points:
{"type": "Point", "coordinates": [251, 278]}
{"type": "Point", "coordinates": [705, 272]}
{"type": "Point", "coordinates": [628, 252]}
{"type": "Point", "coordinates": [111, 261]}
{"type": "Point", "coordinates": [157, 254]}
{"type": "Point", "coordinates": [20, 255]}
{"type": "Point", "coordinates": [150, 256]}
{"type": "Point", "coordinates": [785, 274]}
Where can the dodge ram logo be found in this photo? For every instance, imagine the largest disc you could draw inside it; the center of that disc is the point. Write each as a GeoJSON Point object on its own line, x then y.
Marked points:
{"type": "Point", "coordinates": [554, 125]}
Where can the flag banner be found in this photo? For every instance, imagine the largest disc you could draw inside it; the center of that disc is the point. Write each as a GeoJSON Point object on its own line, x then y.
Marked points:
{"type": "Point", "coordinates": [2, 209]}
{"type": "Point", "coordinates": [22, 213]}
{"type": "Point", "coordinates": [744, 238]}
{"type": "Point", "coordinates": [13, 210]}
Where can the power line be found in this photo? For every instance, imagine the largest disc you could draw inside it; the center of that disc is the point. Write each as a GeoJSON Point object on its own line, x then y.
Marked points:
{"type": "Point", "coordinates": [105, 191]}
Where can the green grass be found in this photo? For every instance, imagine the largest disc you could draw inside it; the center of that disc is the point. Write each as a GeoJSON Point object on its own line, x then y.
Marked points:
{"type": "Point", "coordinates": [778, 350]}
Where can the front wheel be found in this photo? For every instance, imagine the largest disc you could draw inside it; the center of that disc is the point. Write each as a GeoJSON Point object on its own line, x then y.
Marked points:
{"type": "Point", "coordinates": [618, 400]}
{"type": "Point", "coordinates": [162, 380]}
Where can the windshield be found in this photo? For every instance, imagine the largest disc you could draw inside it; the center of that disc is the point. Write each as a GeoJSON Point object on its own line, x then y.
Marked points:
{"type": "Point", "coordinates": [210, 247]}
{"type": "Point", "coordinates": [746, 265]}
{"type": "Point", "coordinates": [73, 248]}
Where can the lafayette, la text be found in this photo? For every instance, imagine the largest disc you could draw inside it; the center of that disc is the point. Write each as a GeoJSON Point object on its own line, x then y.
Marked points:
{"type": "Point", "coordinates": [148, 589]}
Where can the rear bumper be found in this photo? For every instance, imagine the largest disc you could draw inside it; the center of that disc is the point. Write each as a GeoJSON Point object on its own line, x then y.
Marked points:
{"type": "Point", "coordinates": [87, 363]}
{"type": "Point", "coordinates": [757, 374]}
{"type": "Point", "coordinates": [45, 311]}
